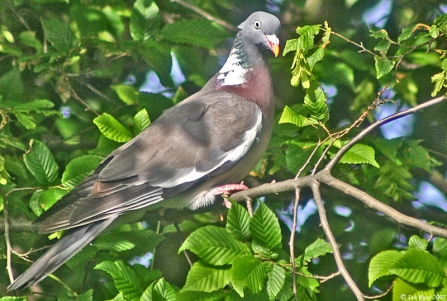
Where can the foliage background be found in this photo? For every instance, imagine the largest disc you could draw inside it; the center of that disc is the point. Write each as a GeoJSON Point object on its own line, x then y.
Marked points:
{"type": "Point", "coordinates": [64, 64]}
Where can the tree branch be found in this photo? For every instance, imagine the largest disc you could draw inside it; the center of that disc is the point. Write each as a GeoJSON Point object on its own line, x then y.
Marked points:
{"type": "Point", "coordinates": [330, 236]}
{"type": "Point", "coordinates": [379, 123]}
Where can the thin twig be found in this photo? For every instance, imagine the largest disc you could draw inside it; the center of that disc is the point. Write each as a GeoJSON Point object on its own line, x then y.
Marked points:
{"type": "Point", "coordinates": [330, 236]}
{"type": "Point", "coordinates": [205, 14]}
{"type": "Point", "coordinates": [292, 240]}
{"type": "Point", "coordinates": [8, 242]}
{"type": "Point", "coordinates": [379, 123]}
{"type": "Point", "coordinates": [185, 252]}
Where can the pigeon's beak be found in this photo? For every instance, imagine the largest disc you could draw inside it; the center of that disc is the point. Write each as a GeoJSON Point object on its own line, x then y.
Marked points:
{"type": "Point", "coordinates": [273, 42]}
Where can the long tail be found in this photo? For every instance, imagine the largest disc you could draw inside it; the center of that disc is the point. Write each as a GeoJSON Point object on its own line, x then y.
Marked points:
{"type": "Point", "coordinates": [59, 253]}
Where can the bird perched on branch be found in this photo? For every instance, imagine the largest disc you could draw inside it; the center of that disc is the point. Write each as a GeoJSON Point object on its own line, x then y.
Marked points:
{"type": "Point", "coordinates": [183, 159]}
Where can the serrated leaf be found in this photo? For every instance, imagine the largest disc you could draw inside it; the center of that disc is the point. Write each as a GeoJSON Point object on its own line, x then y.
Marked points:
{"type": "Point", "coordinates": [141, 120]}
{"type": "Point", "coordinates": [214, 245]}
{"type": "Point", "coordinates": [383, 66]}
{"type": "Point", "coordinates": [12, 298]}
{"type": "Point", "coordinates": [290, 116]}
{"type": "Point", "coordinates": [112, 128]}
{"type": "Point", "coordinates": [417, 242]}
{"type": "Point", "coordinates": [248, 271]}
{"type": "Point", "coordinates": [50, 196]}
{"type": "Point", "coordinates": [58, 33]}
{"type": "Point", "coordinates": [314, 250]}
{"type": "Point", "coordinates": [265, 231]}
{"type": "Point", "coordinates": [440, 250]}
{"type": "Point", "coordinates": [360, 154]}
{"type": "Point", "coordinates": [403, 290]}
{"type": "Point", "coordinates": [238, 221]}
{"type": "Point", "coordinates": [276, 278]}
{"type": "Point", "coordinates": [125, 279]}
{"type": "Point", "coordinates": [383, 47]}
{"type": "Point", "coordinates": [159, 291]}
{"type": "Point", "coordinates": [158, 56]}
{"type": "Point", "coordinates": [78, 169]}
{"type": "Point", "coordinates": [26, 120]}
{"type": "Point", "coordinates": [419, 266]}
{"type": "Point", "coordinates": [439, 79]}
{"type": "Point", "coordinates": [315, 102]}
{"type": "Point", "coordinates": [87, 296]}
{"type": "Point", "coordinates": [381, 264]}
{"type": "Point", "coordinates": [206, 278]}
{"type": "Point", "coordinates": [145, 20]}
{"type": "Point", "coordinates": [128, 94]}
{"type": "Point", "coordinates": [389, 147]}
{"type": "Point", "coordinates": [197, 32]}
{"type": "Point", "coordinates": [201, 296]}
{"type": "Point", "coordinates": [40, 162]}
{"type": "Point", "coordinates": [298, 153]}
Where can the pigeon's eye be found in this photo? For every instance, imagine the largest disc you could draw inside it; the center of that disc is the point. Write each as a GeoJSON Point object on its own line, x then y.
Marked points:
{"type": "Point", "coordinates": [257, 24]}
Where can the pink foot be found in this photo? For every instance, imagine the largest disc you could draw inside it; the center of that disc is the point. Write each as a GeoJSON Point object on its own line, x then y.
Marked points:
{"type": "Point", "coordinates": [226, 190]}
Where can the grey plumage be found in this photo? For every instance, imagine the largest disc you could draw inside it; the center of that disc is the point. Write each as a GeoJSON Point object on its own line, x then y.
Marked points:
{"type": "Point", "coordinates": [212, 138]}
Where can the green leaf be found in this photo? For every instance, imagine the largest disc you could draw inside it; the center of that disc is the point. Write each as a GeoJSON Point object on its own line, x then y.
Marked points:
{"type": "Point", "coordinates": [58, 33]}
{"type": "Point", "coordinates": [87, 296]}
{"type": "Point", "coordinates": [128, 94]}
{"type": "Point", "coordinates": [40, 162]}
{"type": "Point", "coordinates": [201, 296]}
{"type": "Point", "coordinates": [28, 38]}
{"type": "Point", "coordinates": [383, 66]}
{"type": "Point", "coordinates": [197, 32]}
{"type": "Point", "coordinates": [112, 128]}
{"type": "Point", "coordinates": [388, 148]}
{"type": "Point", "coordinates": [158, 56]}
{"type": "Point", "coordinates": [238, 221]}
{"type": "Point", "coordinates": [314, 250]}
{"type": "Point", "coordinates": [290, 116]}
{"type": "Point", "coordinates": [315, 102]}
{"type": "Point", "coordinates": [298, 153]}
{"type": "Point", "coordinates": [125, 279]}
{"type": "Point", "coordinates": [418, 243]}
{"type": "Point", "coordinates": [214, 245]}
{"type": "Point", "coordinates": [141, 120]}
{"type": "Point", "coordinates": [78, 169]}
{"type": "Point", "coordinates": [50, 196]}
{"type": "Point", "coordinates": [206, 278]}
{"type": "Point", "coordinates": [265, 231]}
{"type": "Point", "coordinates": [383, 47]}
{"type": "Point", "coordinates": [439, 79]}
{"type": "Point", "coordinates": [13, 299]}
{"type": "Point", "coordinates": [402, 290]}
{"type": "Point", "coordinates": [276, 278]}
{"type": "Point", "coordinates": [418, 266]}
{"type": "Point", "coordinates": [381, 264]}
{"type": "Point", "coordinates": [26, 120]}
{"type": "Point", "coordinates": [360, 154]}
{"type": "Point", "coordinates": [159, 291]}
{"type": "Point", "coordinates": [440, 250]}
{"type": "Point", "coordinates": [145, 20]}
{"type": "Point", "coordinates": [248, 271]}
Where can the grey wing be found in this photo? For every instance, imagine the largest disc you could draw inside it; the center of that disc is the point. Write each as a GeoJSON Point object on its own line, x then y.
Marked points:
{"type": "Point", "coordinates": [205, 135]}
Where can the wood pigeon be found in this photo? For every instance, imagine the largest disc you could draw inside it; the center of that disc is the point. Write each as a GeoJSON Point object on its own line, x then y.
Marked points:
{"type": "Point", "coordinates": [182, 159]}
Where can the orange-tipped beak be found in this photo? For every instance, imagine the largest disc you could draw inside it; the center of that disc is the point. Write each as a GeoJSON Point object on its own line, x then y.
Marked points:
{"type": "Point", "coordinates": [275, 50]}
{"type": "Point", "coordinates": [273, 42]}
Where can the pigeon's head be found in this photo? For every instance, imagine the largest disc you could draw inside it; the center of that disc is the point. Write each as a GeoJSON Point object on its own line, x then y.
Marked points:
{"type": "Point", "coordinates": [263, 29]}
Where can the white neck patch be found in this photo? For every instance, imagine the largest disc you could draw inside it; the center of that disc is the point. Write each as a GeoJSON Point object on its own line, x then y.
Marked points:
{"type": "Point", "coordinates": [232, 73]}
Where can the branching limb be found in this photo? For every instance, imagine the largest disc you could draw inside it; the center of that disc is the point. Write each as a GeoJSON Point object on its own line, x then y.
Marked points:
{"type": "Point", "coordinates": [379, 123]}
{"type": "Point", "coordinates": [330, 236]}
